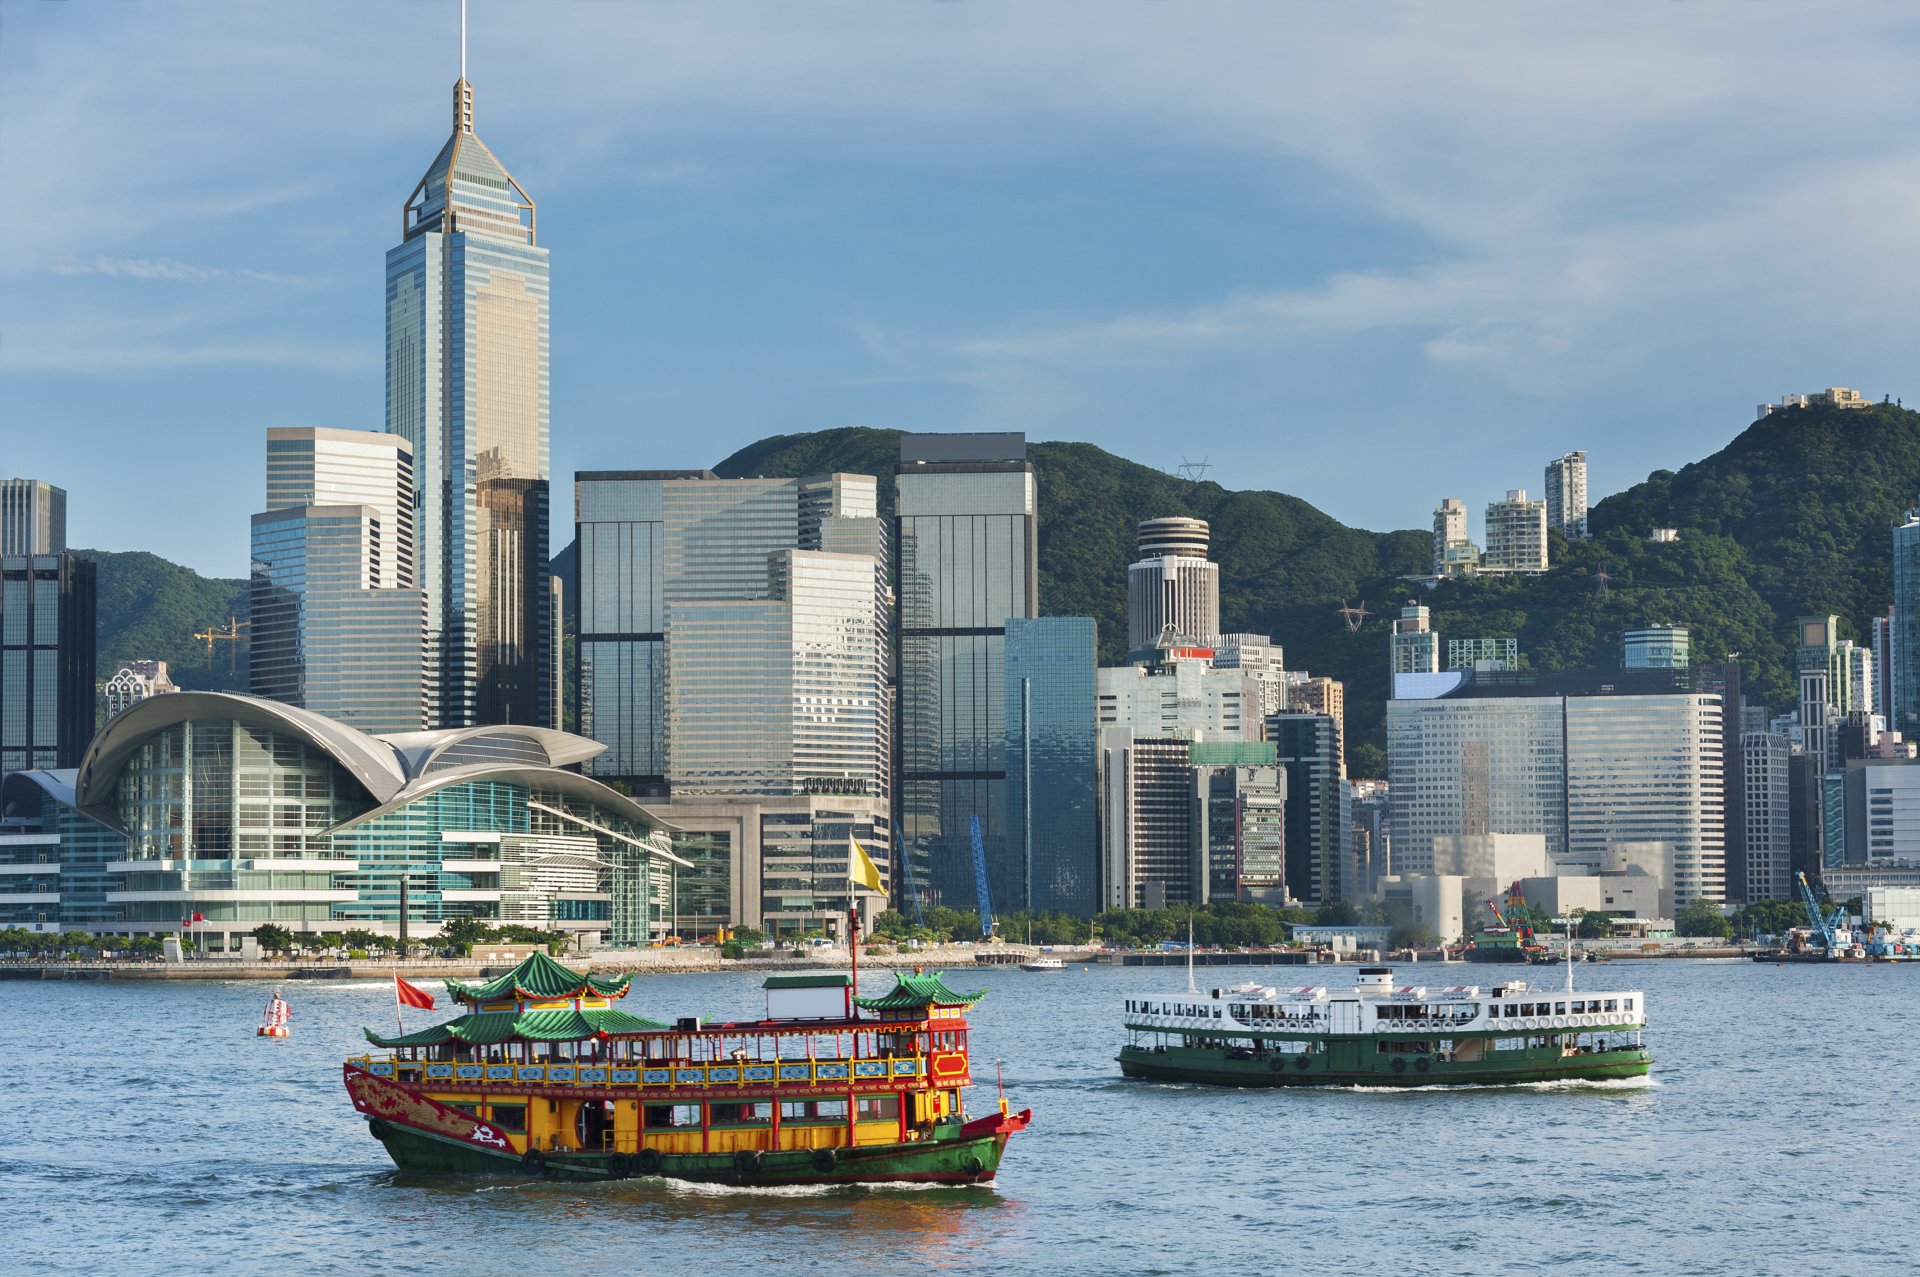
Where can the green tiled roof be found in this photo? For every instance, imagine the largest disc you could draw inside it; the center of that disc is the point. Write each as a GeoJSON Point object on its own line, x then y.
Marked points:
{"type": "Point", "coordinates": [534, 1026]}
{"type": "Point", "coordinates": [540, 977]}
{"type": "Point", "coordinates": [913, 991]}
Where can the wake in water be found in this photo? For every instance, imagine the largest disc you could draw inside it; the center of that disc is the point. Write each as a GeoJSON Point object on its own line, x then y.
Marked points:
{"type": "Point", "coordinates": [1642, 1083]}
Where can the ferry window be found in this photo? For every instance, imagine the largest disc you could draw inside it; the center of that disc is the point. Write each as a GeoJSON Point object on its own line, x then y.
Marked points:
{"type": "Point", "coordinates": [686, 1115]}
{"type": "Point", "coordinates": [1626, 1004]}
{"type": "Point", "coordinates": [1612, 1005]}
{"type": "Point", "coordinates": [510, 1117]}
{"type": "Point", "coordinates": [874, 1108]}
{"type": "Point", "coordinates": [1579, 1008]}
{"type": "Point", "coordinates": [739, 1114]}
{"type": "Point", "coordinates": [1559, 1008]}
{"type": "Point", "coordinates": [830, 1110]}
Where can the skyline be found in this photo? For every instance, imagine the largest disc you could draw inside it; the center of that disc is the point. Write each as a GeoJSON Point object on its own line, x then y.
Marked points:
{"type": "Point", "coordinates": [952, 218]}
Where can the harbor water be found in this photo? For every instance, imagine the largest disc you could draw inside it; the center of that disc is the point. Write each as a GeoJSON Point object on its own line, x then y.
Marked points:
{"type": "Point", "coordinates": [147, 1130]}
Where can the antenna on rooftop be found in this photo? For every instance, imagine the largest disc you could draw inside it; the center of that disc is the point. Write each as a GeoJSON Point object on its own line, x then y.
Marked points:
{"type": "Point", "coordinates": [1194, 471]}
{"type": "Point", "coordinates": [463, 39]}
{"type": "Point", "coordinates": [1355, 617]}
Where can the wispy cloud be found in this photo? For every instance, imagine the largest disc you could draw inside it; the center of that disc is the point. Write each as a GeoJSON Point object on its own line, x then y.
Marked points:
{"type": "Point", "coordinates": [161, 268]}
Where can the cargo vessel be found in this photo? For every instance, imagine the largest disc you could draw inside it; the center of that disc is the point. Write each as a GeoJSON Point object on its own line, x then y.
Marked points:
{"type": "Point", "coordinates": [543, 1076]}
{"type": "Point", "coordinates": [1382, 1034]}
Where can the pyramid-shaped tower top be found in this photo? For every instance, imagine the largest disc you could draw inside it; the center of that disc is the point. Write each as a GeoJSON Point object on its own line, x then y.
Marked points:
{"type": "Point", "coordinates": [466, 189]}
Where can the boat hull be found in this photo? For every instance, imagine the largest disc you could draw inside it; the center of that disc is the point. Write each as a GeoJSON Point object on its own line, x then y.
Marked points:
{"type": "Point", "coordinates": [1472, 954]}
{"type": "Point", "coordinates": [421, 1134]}
{"type": "Point", "coordinates": [1354, 1063]}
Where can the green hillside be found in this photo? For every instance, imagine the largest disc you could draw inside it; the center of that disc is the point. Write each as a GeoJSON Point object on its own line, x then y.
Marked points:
{"type": "Point", "coordinates": [149, 609]}
{"type": "Point", "coordinates": [1792, 517]}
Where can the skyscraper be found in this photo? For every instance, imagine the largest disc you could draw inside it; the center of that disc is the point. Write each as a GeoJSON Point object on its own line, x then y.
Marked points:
{"type": "Point", "coordinates": [46, 660]}
{"type": "Point", "coordinates": [467, 387]}
{"type": "Point", "coordinates": [1567, 495]}
{"type": "Point", "coordinates": [33, 517]}
{"type": "Point", "coordinates": [1052, 828]}
{"type": "Point", "coordinates": [1450, 543]}
{"type": "Point", "coordinates": [1173, 585]}
{"type": "Point", "coordinates": [311, 465]}
{"type": "Point", "coordinates": [1904, 715]}
{"type": "Point", "coordinates": [966, 533]}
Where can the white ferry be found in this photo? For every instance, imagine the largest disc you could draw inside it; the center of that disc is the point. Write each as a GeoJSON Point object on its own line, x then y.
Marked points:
{"type": "Point", "coordinates": [1380, 1033]}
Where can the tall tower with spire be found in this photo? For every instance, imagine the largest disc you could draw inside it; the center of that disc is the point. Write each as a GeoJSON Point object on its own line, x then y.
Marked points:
{"type": "Point", "coordinates": [467, 386]}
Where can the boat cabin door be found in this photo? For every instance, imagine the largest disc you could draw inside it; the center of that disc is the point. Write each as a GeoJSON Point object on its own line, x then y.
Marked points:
{"type": "Point", "coordinates": [1344, 1017]}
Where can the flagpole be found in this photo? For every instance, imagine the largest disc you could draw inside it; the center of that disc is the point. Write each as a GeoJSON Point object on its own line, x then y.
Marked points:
{"type": "Point", "coordinates": [853, 942]}
{"type": "Point", "coordinates": [398, 1018]}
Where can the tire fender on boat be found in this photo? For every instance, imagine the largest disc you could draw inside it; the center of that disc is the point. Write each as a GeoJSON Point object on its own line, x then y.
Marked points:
{"type": "Point", "coordinates": [825, 1159]}
{"type": "Point", "coordinates": [1422, 1065]}
{"type": "Point", "coordinates": [1278, 1064]}
{"type": "Point", "coordinates": [746, 1161]}
{"type": "Point", "coordinates": [1400, 1064]}
{"type": "Point", "coordinates": [620, 1166]}
{"type": "Point", "coordinates": [648, 1161]}
{"type": "Point", "coordinates": [378, 1128]}
{"type": "Point", "coordinates": [975, 1165]}
{"type": "Point", "coordinates": [1302, 1062]}
{"type": "Point", "coordinates": [534, 1162]}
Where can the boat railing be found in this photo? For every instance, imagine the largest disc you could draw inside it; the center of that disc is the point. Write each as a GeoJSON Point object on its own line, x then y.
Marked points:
{"type": "Point", "coordinates": [664, 1075]}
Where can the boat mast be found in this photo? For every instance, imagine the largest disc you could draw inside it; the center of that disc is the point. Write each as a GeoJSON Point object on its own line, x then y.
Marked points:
{"type": "Point", "coordinates": [1569, 957]}
{"type": "Point", "coordinates": [1191, 986]}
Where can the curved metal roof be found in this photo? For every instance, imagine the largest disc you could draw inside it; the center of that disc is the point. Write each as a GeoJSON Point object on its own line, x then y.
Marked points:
{"type": "Point", "coordinates": [369, 760]}
{"type": "Point", "coordinates": [57, 784]}
{"type": "Point", "coordinates": [571, 783]}
{"type": "Point", "coordinates": [424, 752]}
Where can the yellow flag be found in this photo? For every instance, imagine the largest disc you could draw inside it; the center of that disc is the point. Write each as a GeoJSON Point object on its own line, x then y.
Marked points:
{"type": "Point", "coordinates": [861, 871]}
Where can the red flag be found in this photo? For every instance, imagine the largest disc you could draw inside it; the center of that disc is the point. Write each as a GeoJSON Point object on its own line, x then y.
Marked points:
{"type": "Point", "coordinates": [412, 995]}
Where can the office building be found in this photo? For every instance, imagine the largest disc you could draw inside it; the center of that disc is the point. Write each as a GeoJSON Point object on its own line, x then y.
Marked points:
{"type": "Point", "coordinates": [1722, 679]}
{"type": "Point", "coordinates": [1173, 588]}
{"type": "Point", "coordinates": [1769, 816]}
{"type": "Point", "coordinates": [1660, 647]}
{"type": "Point", "coordinates": [133, 682]}
{"type": "Point", "coordinates": [467, 388]}
{"type": "Point", "coordinates": [1567, 495]}
{"type": "Point", "coordinates": [1882, 813]}
{"type": "Point", "coordinates": [315, 466]}
{"type": "Point", "coordinates": [1905, 711]}
{"type": "Point", "coordinates": [249, 811]}
{"type": "Point", "coordinates": [1415, 646]}
{"type": "Point", "coordinates": [1881, 644]}
{"type": "Point", "coordinates": [1451, 547]}
{"type": "Point", "coordinates": [1587, 759]}
{"type": "Point", "coordinates": [33, 517]}
{"type": "Point", "coordinates": [1238, 815]}
{"type": "Point", "coordinates": [965, 540]}
{"type": "Point", "coordinates": [653, 540]}
{"type": "Point", "coordinates": [46, 659]}
{"type": "Point", "coordinates": [1824, 680]}
{"type": "Point", "coordinates": [1370, 836]}
{"type": "Point", "coordinates": [1260, 657]}
{"type": "Point", "coordinates": [1181, 696]}
{"type": "Point", "coordinates": [1053, 853]}
{"type": "Point", "coordinates": [1146, 820]}
{"type": "Point", "coordinates": [1307, 752]}
{"type": "Point", "coordinates": [1516, 534]}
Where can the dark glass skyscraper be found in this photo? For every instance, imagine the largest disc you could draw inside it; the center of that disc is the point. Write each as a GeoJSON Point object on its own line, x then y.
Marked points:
{"type": "Point", "coordinates": [46, 660]}
{"type": "Point", "coordinates": [965, 536]}
{"type": "Point", "coordinates": [467, 387]}
{"type": "Point", "coordinates": [1053, 849]}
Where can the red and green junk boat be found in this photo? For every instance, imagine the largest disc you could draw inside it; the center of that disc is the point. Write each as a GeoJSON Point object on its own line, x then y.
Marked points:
{"type": "Point", "coordinates": [544, 1076]}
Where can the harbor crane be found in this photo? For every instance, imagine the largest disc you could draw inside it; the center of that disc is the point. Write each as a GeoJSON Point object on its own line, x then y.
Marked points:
{"type": "Point", "coordinates": [1826, 926]}
{"type": "Point", "coordinates": [980, 880]}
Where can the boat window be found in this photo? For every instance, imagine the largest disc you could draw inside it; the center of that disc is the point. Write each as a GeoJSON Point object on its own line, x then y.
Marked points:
{"type": "Point", "coordinates": [1626, 1004]}
{"type": "Point", "coordinates": [875, 1108]}
{"type": "Point", "coordinates": [471, 1110]}
{"type": "Point", "coordinates": [510, 1117]}
{"type": "Point", "coordinates": [1612, 1005]}
{"type": "Point", "coordinates": [741, 1114]}
{"type": "Point", "coordinates": [1559, 1008]}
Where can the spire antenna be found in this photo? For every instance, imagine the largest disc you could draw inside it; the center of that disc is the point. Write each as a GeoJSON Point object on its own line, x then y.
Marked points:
{"type": "Point", "coordinates": [463, 39]}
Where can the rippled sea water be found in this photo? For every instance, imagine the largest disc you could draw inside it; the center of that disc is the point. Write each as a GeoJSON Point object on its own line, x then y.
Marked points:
{"type": "Point", "coordinates": [148, 1131]}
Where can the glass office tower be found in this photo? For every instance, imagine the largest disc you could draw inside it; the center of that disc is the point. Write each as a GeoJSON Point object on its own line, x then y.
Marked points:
{"type": "Point", "coordinates": [467, 387]}
{"type": "Point", "coordinates": [33, 517]}
{"type": "Point", "coordinates": [1053, 852]}
{"type": "Point", "coordinates": [965, 535]}
{"type": "Point", "coordinates": [46, 660]}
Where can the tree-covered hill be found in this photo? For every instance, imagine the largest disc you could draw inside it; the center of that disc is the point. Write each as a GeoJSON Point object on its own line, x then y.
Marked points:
{"type": "Point", "coordinates": [1792, 517]}
{"type": "Point", "coordinates": [149, 609]}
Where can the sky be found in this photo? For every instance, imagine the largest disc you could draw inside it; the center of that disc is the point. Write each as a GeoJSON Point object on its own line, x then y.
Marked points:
{"type": "Point", "coordinates": [1372, 255]}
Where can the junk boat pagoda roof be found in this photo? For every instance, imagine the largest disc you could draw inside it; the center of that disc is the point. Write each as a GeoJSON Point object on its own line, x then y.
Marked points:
{"type": "Point", "coordinates": [919, 990]}
{"type": "Point", "coordinates": [489, 1028]}
{"type": "Point", "coordinates": [540, 978]}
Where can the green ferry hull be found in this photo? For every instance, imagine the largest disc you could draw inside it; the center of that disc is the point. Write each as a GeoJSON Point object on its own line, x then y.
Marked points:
{"type": "Point", "coordinates": [1357, 1064]}
{"type": "Point", "coordinates": [965, 1160]}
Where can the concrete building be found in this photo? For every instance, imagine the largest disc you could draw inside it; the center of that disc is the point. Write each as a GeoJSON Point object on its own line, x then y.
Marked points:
{"type": "Point", "coordinates": [1173, 587]}
{"type": "Point", "coordinates": [1660, 647]}
{"type": "Point", "coordinates": [1146, 821]}
{"type": "Point", "coordinates": [1183, 696]}
{"type": "Point", "coordinates": [249, 811]}
{"type": "Point", "coordinates": [1494, 859]}
{"type": "Point", "coordinates": [1437, 902]}
{"type": "Point", "coordinates": [1259, 656]}
{"type": "Point", "coordinates": [1516, 534]}
{"type": "Point", "coordinates": [133, 683]}
{"type": "Point", "coordinates": [1882, 813]}
{"type": "Point", "coordinates": [33, 517]}
{"type": "Point", "coordinates": [1567, 495]}
{"type": "Point", "coordinates": [1452, 549]}
{"type": "Point", "coordinates": [46, 659]}
{"type": "Point", "coordinates": [1053, 861]}
{"type": "Point", "coordinates": [1882, 644]}
{"type": "Point", "coordinates": [1769, 816]}
{"type": "Point", "coordinates": [1238, 813]}
{"type": "Point", "coordinates": [966, 534]}
{"type": "Point", "coordinates": [1831, 397]}
{"type": "Point", "coordinates": [468, 389]}
{"type": "Point", "coordinates": [1415, 648]}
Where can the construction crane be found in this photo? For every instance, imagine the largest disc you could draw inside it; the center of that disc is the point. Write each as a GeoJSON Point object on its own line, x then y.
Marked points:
{"type": "Point", "coordinates": [980, 880]}
{"type": "Point", "coordinates": [1824, 925]}
{"type": "Point", "coordinates": [230, 633]}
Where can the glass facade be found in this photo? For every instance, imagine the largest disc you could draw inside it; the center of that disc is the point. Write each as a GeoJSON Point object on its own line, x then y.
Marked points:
{"type": "Point", "coordinates": [965, 537]}
{"type": "Point", "coordinates": [1474, 766]}
{"type": "Point", "coordinates": [1307, 751]}
{"type": "Point", "coordinates": [1649, 769]}
{"type": "Point", "coordinates": [323, 636]}
{"type": "Point", "coordinates": [33, 517]}
{"type": "Point", "coordinates": [1053, 860]}
{"type": "Point", "coordinates": [1905, 713]}
{"type": "Point", "coordinates": [468, 388]}
{"type": "Point", "coordinates": [46, 660]}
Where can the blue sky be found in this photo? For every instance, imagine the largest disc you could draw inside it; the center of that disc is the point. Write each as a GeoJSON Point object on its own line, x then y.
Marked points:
{"type": "Point", "coordinates": [1372, 255]}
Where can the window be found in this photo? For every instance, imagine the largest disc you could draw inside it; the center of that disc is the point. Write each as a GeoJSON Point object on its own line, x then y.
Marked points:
{"type": "Point", "coordinates": [510, 1117]}
{"type": "Point", "coordinates": [740, 1114]}
{"type": "Point", "coordinates": [875, 1108]}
